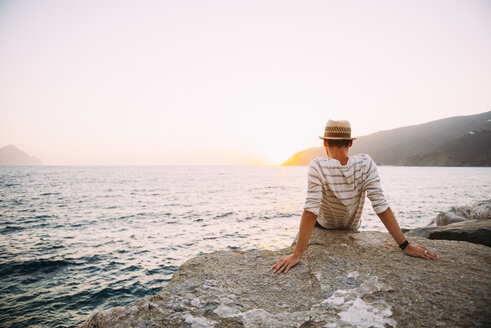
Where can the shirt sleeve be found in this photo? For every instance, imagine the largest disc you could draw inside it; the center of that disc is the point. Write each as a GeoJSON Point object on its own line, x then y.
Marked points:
{"type": "Point", "coordinates": [314, 189]}
{"type": "Point", "coordinates": [373, 188]}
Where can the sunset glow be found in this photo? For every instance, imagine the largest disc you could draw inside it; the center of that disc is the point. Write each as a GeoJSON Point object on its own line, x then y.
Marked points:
{"type": "Point", "coordinates": [229, 82]}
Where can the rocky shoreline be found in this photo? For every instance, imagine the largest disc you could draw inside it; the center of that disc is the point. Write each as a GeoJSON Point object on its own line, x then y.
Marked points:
{"type": "Point", "coordinates": [346, 279]}
{"type": "Point", "coordinates": [466, 223]}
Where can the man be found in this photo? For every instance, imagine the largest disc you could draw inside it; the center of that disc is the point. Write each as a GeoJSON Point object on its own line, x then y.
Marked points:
{"type": "Point", "coordinates": [336, 193]}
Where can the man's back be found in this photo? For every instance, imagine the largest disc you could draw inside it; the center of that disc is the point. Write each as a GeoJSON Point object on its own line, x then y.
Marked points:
{"type": "Point", "coordinates": [336, 193]}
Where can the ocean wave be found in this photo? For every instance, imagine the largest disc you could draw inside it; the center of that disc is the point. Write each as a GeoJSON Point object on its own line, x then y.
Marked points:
{"type": "Point", "coordinates": [223, 215]}
{"type": "Point", "coordinates": [132, 268]}
{"type": "Point", "coordinates": [40, 217]}
{"type": "Point", "coordinates": [88, 255]}
{"type": "Point", "coordinates": [8, 185]}
{"type": "Point", "coordinates": [285, 215]}
{"type": "Point", "coordinates": [30, 210]}
{"type": "Point", "coordinates": [10, 229]}
{"type": "Point", "coordinates": [33, 266]}
{"type": "Point", "coordinates": [162, 269]}
{"type": "Point", "coordinates": [91, 259]}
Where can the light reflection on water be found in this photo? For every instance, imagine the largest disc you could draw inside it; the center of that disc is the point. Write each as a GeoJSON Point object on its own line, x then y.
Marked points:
{"type": "Point", "coordinates": [78, 239]}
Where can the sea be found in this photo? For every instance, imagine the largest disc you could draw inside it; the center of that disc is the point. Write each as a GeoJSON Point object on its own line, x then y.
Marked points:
{"type": "Point", "coordinates": [76, 240]}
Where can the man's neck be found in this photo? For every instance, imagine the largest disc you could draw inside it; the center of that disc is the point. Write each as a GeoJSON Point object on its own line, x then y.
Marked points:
{"type": "Point", "coordinates": [341, 154]}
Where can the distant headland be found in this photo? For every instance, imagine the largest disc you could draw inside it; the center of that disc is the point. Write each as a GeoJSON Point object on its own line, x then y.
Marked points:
{"type": "Point", "coordinates": [11, 155]}
{"type": "Point", "coordinates": [454, 141]}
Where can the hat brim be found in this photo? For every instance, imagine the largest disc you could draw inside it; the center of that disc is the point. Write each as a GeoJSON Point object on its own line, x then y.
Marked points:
{"type": "Point", "coordinates": [336, 138]}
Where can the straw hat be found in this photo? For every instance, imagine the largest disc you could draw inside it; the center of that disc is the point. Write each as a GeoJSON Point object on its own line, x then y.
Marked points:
{"type": "Point", "coordinates": [337, 130]}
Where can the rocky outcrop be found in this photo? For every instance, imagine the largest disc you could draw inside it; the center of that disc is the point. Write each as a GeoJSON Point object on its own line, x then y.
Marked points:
{"type": "Point", "coordinates": [346, 279]}
{"type": "Point", "coordinates": [465, 223]}
{"type": "Point", "coordinates": [481, 211]}
{"type": "Point", "coordinates": [477, 232]}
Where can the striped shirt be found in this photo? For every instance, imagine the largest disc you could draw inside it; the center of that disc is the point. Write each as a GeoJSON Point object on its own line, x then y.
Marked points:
{"type": "Point", "coordinates": [336, 193]}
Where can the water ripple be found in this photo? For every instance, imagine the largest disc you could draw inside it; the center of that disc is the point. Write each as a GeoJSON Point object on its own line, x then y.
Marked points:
{"type": "Point", "coordinates": [79, 239]}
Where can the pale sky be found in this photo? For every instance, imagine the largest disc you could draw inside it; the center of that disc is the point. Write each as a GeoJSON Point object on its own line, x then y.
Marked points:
{"type": "Point", "coordinates": [230, 82]}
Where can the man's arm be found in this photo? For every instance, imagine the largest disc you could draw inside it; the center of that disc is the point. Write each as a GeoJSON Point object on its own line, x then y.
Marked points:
{"type": "Point", "coordinates": [389, 220]}
{"type": "Point", "coordinates": [307, 224]}
{"type": "Point", "coordinates": [381, 207]}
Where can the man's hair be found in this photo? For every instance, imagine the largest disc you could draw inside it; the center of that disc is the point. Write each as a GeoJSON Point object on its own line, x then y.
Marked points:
{"type": "Point", "coordinates": [338, 143]}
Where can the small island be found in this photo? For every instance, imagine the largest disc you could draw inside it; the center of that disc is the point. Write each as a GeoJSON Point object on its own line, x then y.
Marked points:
{"type": "Point", "coordinates": [13, 156]}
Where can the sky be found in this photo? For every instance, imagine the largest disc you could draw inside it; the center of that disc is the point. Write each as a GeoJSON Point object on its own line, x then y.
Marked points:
{"type": "Point", "coordinates": [230, 82]}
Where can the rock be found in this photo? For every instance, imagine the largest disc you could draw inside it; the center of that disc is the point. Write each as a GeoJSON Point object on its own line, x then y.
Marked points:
{"type": "Point", "coordinates": [481, 211]}
{"type": "Point", "coordinates": [345, 279]}
{"type": "Point", "coordinates": [432, 223]}
{"type": "Point", "coordinates": [455, 214]}
{"type": "Point", "coordinates": [477, 232]}
{"type": "Point", "coordinates": [419, 232]}
{"type": "Point", "coordinates": [465, 223]}
{"type": "Point", "coordinates": [446, 218]}
{"type": "Point", "coordinates": [473, 231]}
{"type": "Point", "coordinates": [462, 211]}
{"type": "Point", "coordinates": [478, 211]}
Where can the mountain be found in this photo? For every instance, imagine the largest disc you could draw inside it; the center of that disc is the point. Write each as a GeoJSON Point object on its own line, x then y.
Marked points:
{"type": "Point", "coordinates": [454, 141]}
{"type": "Point", "coordinates": [11, 155]}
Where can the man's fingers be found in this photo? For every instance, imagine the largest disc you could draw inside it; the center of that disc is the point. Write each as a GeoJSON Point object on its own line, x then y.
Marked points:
{"type": "Point", "coordinates": [278, 262]}
{"type": "Point", "coordinates": [284, 264]}
{"type": "Point", "coordinates": [427, 254]}
{"type": "Point", "coordinates": [423, 252]}
{"type": "Point", "coordinates": [278, 267]}
{"type": "Point", "coordinates": [432, 255]}
{"type": "Point", "coordinates": [282, 267]}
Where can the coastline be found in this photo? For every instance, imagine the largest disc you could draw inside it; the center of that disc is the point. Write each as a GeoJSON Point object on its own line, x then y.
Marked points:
{"type": "Point", "coordinates": [352, 279]}
{"type": "Point", "coordinates": [136, 234]}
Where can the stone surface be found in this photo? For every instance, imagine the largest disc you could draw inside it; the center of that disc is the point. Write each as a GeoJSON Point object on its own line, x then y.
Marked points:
{"type": "Point", "coordinates": [481, 211]}
{"type": "Point", "coordinates": [473, 231]}
{"type": "Point", "coordinates": [345, 279]}
{"type": "Point", "coordinates": [465, 223]}
{"type": "Point", "coordinates": [477, 232]}
{"type": "Point", "coordinates": [419, 232]}
{"type": "Point", "coordinates": [447, 218]}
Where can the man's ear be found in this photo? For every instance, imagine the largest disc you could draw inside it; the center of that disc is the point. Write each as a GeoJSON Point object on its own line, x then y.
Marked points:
{"type": "Point", "coordinates": [325, 143]}
{"type": "Point", "coordinates": [351, 143]}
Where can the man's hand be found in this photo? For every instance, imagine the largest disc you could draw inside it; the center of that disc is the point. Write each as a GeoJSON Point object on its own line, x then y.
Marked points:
{"type": "Point", "coordinates": [420, 251]}
{"type": "Point", "coordinates": [389, 220]}
{"type": "Point", "coordinates": [285, 263]}
{"type": "Point", "coordinates": [307, 224]}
